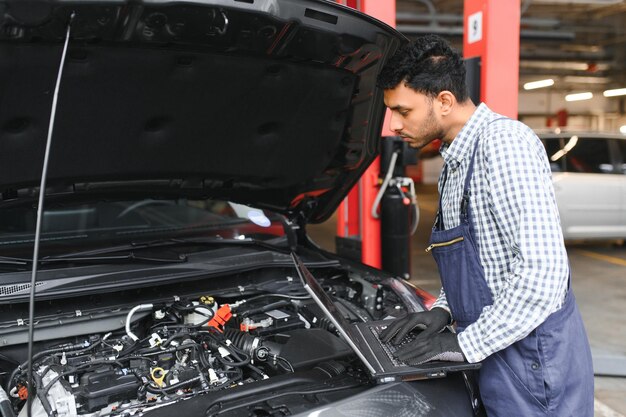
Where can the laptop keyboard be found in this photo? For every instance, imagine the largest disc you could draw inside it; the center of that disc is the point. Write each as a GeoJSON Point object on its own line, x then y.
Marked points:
{"type": "Point", "coordinates": [390, 348]}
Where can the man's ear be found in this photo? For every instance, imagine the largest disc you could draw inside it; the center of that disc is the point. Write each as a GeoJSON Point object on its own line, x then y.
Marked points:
{"type": "Point", "coordinates": [446, 101]}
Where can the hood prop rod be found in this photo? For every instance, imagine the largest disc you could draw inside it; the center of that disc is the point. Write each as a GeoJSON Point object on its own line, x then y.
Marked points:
{"type": "Point", "coordinates": [42, 191]}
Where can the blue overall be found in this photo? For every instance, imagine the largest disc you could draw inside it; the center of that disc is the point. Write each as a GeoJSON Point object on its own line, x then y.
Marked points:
{"type": "Point", "coordinates": [549, 372]}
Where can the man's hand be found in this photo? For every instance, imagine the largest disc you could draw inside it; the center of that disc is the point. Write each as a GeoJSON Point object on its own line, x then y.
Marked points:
{"type": "Point", "coordinates": [431, 322]}
{"type": "Point", "coordinates": [437, 347]}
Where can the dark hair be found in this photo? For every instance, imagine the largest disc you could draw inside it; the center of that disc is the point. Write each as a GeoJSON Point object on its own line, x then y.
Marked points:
{"type": "Point", "coordinates": [427, 65]}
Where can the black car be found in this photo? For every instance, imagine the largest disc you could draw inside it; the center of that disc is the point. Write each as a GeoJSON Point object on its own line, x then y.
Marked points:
{"type": "Point", "coordinates": [192, 142]}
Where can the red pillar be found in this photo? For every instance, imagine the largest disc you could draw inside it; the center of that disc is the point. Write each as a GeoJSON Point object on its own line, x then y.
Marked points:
{"type": "Point", "coordinates": [491, 31]}
{"type": "Point", "coordinates": [353, 215]}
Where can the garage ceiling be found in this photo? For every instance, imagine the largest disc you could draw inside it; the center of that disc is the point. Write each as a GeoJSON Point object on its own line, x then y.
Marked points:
{"type": "Point", "coordinates": [581, 44]}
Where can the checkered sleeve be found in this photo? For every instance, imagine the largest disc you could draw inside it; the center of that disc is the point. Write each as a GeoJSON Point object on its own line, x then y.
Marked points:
{"type": "Point", "coordinates": [442, 302]}
{"type": "Point", "coordinates": [521, 200]}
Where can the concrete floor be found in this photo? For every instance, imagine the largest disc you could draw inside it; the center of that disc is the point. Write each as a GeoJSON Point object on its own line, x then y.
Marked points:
{"type": "Point", "coordinates": [599, 282]}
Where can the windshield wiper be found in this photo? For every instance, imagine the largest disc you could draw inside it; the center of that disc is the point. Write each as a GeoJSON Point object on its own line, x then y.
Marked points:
{"type": "Point", "coordinates": [232, 242]}
{"type": "Point", "coordinates": [94, 255]}
{"type": "Point", "coordinates": [126, 257]}
{"type": "Point", "coordinates": [130, 256]}
{"type": "Point", "coordinates": [168, 243]}
{"type": "Point", "coordinates": [9, 260]}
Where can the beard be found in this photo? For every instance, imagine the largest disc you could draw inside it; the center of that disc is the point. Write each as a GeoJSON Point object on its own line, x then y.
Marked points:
{"type": "Point", "coordinates": [427, 132]}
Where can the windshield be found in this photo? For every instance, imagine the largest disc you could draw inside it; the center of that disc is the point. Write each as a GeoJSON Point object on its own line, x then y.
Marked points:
{"type": "Point", "coordinates": [72, 226]}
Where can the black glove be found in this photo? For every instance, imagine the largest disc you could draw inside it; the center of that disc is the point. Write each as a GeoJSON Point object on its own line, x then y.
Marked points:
{"type": "Point", "coordinates": [430, 322]}
{"type": "Point", "coordinates": [437, 347]}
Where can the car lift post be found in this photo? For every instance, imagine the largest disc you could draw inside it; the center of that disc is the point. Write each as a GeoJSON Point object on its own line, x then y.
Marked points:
{"type": "Point", "coordinates": [491, 32]}
{"type": "Point", "coordinates": [354, 221]}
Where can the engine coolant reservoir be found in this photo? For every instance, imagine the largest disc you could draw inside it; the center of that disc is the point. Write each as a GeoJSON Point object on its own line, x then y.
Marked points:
{"type": "Point", "coordinates": [205, 309]}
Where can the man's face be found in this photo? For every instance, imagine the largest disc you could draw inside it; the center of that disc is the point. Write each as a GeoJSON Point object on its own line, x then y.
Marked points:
{"type": "Point", "coordinates": [412, 116]}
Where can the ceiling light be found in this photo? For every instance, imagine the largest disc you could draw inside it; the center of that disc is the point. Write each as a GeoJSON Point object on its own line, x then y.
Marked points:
{"type": "Point", "coordinates": [538, 84]}
{"type": "Point", "coordinates": [561, 65]}
{"type": "Point", "coordinates": [580, 48]}
{"type": "Point", "coordinates": [622, 129]}
{"type": "Point", "coordinates": [586, 80]}
{"type": "Point", "coordinates": [578, 96]}
{"type": "Point", "coordinates": [616, 92]}
{"type": "Point", "coordinates": [589, 2]}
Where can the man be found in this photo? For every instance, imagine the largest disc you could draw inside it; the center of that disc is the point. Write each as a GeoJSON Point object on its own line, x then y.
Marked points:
{"type": "Point", "coordinates": [498, 244]}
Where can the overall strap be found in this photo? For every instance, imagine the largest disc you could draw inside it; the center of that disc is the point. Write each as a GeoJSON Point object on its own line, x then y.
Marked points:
{"type": "Point", "coordinates": [466, 187]}
{"type": "Point", "coordinates": [439, 217]}
{"type": "Point", "coordinates": [465, 215]}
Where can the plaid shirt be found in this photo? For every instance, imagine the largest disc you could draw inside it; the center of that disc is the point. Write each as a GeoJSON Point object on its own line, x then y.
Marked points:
{"type": "Point", "coordinates": [517, 227]}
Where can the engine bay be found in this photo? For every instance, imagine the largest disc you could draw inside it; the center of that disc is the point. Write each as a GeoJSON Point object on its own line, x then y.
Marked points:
{"type": "Point", "coordinates": [209, 351]}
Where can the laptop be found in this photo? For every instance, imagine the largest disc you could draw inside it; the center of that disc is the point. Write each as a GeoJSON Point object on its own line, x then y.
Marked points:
{"type": "Point", "coordinates": [363, 339]}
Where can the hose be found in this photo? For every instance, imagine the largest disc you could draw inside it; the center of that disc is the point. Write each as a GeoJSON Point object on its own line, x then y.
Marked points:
{"type": "Point", "coordinates": [383, 187]}
{"type": "Point", "coordinates": [267, 307]}
{"type": "Point", "coordinates": [140, 307]}
{"type": "Point", "coordinates": [416, 210]}
{"type": "Point", "coordinates": [42, 393]}
{"type": "Point", "coordinates": [6, 410]}
{"type": "Point", "coordinates": [68, 348]}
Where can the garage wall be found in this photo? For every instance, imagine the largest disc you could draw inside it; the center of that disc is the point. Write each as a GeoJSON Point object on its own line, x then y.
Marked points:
{"type": "Point", "coordinates": [599, 113]}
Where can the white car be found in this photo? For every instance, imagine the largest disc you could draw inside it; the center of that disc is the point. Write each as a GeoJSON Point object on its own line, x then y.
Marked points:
{"type": "Point", "coordinates": [589, 175]}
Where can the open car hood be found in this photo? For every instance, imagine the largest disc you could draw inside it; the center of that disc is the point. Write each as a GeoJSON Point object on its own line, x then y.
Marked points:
{"type": "Point", "coordinates": [271, 103]}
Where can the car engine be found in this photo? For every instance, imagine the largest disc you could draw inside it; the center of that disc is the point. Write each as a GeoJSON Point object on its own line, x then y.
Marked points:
{"type": "Point", "coordinates": [172, 350]}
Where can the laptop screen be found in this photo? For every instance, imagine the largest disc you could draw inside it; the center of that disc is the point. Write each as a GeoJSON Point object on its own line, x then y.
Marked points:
{"type": "Point", "coordinates": [330, 309]}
